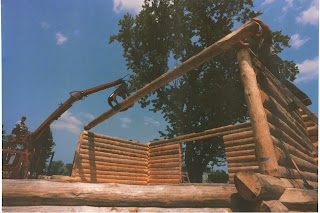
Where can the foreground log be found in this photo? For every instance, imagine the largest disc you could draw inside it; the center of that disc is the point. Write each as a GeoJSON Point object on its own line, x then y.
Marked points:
{"type": "Point", "coordinates": [263, 142]}
{"type": "Point", "coordinates": [271, 206]}
{"type": "Point", "coordinates": [300, 199]}
{"type": "Point", "coordinates": [17, 192]}
{"type": "Point", "coordinates": [205, 55]}
{"type": "Point", "coordinates": [252, 186]}
{"type": "Point", "coordinates": [106, 209]}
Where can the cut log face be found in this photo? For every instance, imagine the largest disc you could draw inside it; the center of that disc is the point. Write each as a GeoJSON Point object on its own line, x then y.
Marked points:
{"type": "Point", "coordinates": [300, 199]}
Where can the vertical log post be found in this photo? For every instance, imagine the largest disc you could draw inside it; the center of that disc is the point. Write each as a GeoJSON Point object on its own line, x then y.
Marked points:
{"type": "Point", "coordinates": [263, 142]}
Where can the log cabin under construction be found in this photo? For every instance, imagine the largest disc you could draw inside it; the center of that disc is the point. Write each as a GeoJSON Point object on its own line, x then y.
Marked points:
{"type": "Point", "coordinates": [272, 159]}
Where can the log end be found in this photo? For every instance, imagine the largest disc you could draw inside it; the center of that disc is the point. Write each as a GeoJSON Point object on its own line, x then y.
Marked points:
{"type": "Point", "coordinates": [248, 185]}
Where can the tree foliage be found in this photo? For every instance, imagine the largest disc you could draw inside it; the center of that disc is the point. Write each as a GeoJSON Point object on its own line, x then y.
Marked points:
{"type": "Point", "coordinates": [59, 168]}
{"type": "Point", "coordinates": [218, 176]}
{"type": "Point", "coordinates": [168, 32]}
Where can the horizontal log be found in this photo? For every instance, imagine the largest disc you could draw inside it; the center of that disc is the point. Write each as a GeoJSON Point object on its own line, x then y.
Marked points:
{"type": "Point", "coordinates": [244, 168]}
{"type": "Point", "coordinates": [162, 169]}
{"type": "Point", "coordinates": [271, 206]}
{"type": "Point", "coordinates": [106, 209]}
{"type": "Point", "coordinates": [113, 147]}
{"type": "Point", "coordinates": [117, 173]}
{"type": "Point", "coordinates": [162, 148]}
{"type": "Point", "coordinates": [96, 135]}
{"type": "Point", "coordinates": [314, 138]}
{"type": "Point", "coordinates": [168, 160]}
{"type": "Point", "coordinates": [198, 136]}
{"type": "Point", "coordinates": [112, 151]}
{"type": "Point", "coordinates": [164, 165]}
{"type": "Point", "coordinates": [292, 173]}
{"type": "Point", "coordinates": [165, 177]}
{"type": "Point", "coordinates": [242, 164]}
{"type": "Point", "coordinates": [297, 183]}
{"type": "Point", "coordinates": [105, 180]}
{"type": "Point", "coordinates": [238, 142]}
{"type": "Point", "coordinates": [113, 160]}
{"type": "Point", "coordinates": [292, 150]}
{"type": "Point", "coordinates": [110, 168]}
{"type": "Point", "coordinates": [93, 176]}
{"type": "Point", "coordinates": [300, 199]}
{"type": "Point", "coordinates": [92, 140]}
{"type": "Point", "coordinates": [248, 158]}
{"type": "Point", "coordinates": [310, 123]}
{"type": "Point", "coordinates": [277, 133]}
{"type": "Point", "coordinates": [164, 172]}
{"type": "Point", "coordinates": [152, 158]}
{"type": "Point", "coordinates": [312, 130]}
{"type": "Point", "coordinates": [86, 194]}
{"type": "Point", "coordinates": [240, 147]}
{"type": "Point", "coordinates": [303, 165]}
{"type": "Point", "coordinates": [279, 112]}
{"type": "Point", "coordinates": [240, 153]}
{"type": "Point", "coordinates": [302, 139]}
{"type": "Point", "coordinates": [238, 135]}
{"type": "Point", "coordinates": [162, 181]}
{"type": "Point", "coordinates": [93, 163]}
{"type": "Point", "coordinates": [164, 152]}
{"type": "Point", "coordinates": [253, 187]}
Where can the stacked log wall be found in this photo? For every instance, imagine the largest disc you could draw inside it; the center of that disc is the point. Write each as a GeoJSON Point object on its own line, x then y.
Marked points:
{"type": "Point", "coordinates": [164, 164]}
{"type": "Point", "coordinates": [240, 151]}
{"type": "Point", "coordinates": [106, 159]}
{"type": "Point", "coordinates": [289, 132]}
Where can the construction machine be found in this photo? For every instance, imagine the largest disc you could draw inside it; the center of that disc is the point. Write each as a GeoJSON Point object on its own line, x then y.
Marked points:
{"type": "Point", "coordinates": [18, 161]}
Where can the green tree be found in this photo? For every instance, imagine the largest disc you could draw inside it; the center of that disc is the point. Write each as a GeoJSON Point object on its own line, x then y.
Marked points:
{"type": "Point", "coordinates": [43, 147]}
{"type": "Point", "coordinates": [218, 176]}
{"type": "Point", "coordinates": [169, 32]}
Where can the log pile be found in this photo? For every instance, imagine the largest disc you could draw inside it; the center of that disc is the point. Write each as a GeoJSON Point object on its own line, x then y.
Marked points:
{"type": "Point", "coordinates": [106, 159]}
{"type": "Point", "coordinates": [164, 164]}
{"type": "Point", "coordinates": [272, 194]}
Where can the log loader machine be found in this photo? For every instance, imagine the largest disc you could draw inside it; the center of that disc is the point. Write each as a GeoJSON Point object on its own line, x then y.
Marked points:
{"type": "Point", "coordinates": [17, 163]}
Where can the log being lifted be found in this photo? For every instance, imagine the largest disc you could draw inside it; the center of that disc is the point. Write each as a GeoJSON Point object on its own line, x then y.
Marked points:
{"type": "Point", "coordinates": [44, 192]}
{"type": "Point", "coordinates": [227, 42]}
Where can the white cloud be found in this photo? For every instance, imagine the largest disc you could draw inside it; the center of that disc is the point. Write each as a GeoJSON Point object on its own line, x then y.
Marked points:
{"type": "Point", "coordinates": [289, 4]}
{"type": "Point", "coordinates": [44, 25]}
{"type": "Point", "coordinates": [88, 116]}
{"type": "Point", "coordinates": [127, 5]}
{"type": "Point", "coordinates": [309, 70]}
{"type": "Point", "coordinates": [150, 121]}
{"type": "Point", "coordinates": [311, 15]}
{"type": "Point", "coordinates": [267, 2]}
{"type": "Point", "coordinates": [125, 122]}
{"type": "Point", "coordinates": [61, 38]}
{"type": "Point", "coordinates": [297, 42]}
{"type": "Point", "coordinates": [68, 122]}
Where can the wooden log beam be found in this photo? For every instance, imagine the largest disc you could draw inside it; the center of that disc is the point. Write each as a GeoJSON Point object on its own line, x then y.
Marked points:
{"type": "Point", "coordinates": [244, 168]}
{"type": "Point", "coordinates": [246, 158]}
{"type": "Point", "coordinates": [241, 164]}
{"type": "Point", "coordinates": [292, 173]}
{"type": "Point", "coordinates": [107, 209]}
{"type": "Point", "coordinates": [111, 168]}
{"type": "Point", "coordinates": [112, 160]}
{"type": "Point", "coordinates": [113, 156]}
{"type": "Point", "coordinates": [300, 199]}
{"type": "Point", "coordinates": [205, 55]}
{"type": "Point", "coordinates": [271, 206]}
{"type": "Point", "coordinates": [17, 192]}
{"type": "Point", "coordinates": [236, 142]}
{"type": "Point", "coordinates": [240, 153]}
{"type": "Point", "coordinates": [113, 173]}
{"type": "Point", "coordinates": [240, 147]}
{"type": "Point", "coordinates": [263, 142]}
{"type": "Point", "coordinates": [94, 163]}
{"type": "Point", "coordinates": [253, 187]}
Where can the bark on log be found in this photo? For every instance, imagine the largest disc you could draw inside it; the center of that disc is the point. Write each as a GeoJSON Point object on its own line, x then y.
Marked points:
{"type": "Point", "coordinates": [300, 199]}
{"type": "Point", "coordinates": [253, 187]}
{"type": "Point", "coordinates": [93, 163]}
{"type": "Point", "coordinates": [106, 209]}
{"type": "Point", "coordinates": [312, 130]}
{"type": "Point", "coordinates": [105, 180]}
{"type": "Point", "coordinates": [165, 172]}
{"type": "Point", "coordinates": [17, 192]}
{"type": "Point", "coordinates": [178, 177]}
{"type": "Point", "coordinates": [164, 152]}
{"type": "Point", "coordinates": [238, 142]}
{"type": "Point", "coordinates": [164, 165]}
{"type": "Point", "coordinates": [92, 140]}
{"type": "Point", "coordinates": [152, 158]}
{"type": "Point", "coordinates": [168, 160]}
{"type": "Point", "coordinates": [238, 135]}
{"type": "Point", "coordinates": [101, 172]}
{"type": "Point", "coordinates": [94, 176]}
{"type": "Point", "coordinates": [205, 55]}
{"type": "Point", "coordinates": [263, 143]}
{"type": "Point", "coordinates": [241, 164]}
{"type": "Point", "coordinates": [164, 148]}
{"type": "Point", "coordinates": [297, 183]}
{"type": "Point", "coordinates": [292, 173]}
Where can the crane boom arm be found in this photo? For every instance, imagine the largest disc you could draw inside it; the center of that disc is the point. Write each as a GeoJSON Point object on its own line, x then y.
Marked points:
{"type": "Point", "coordinates": [68, 103]}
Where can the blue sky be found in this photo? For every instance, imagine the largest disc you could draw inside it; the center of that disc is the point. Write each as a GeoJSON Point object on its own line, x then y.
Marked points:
{"type": "Point", "coordinates": [50, 48]}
